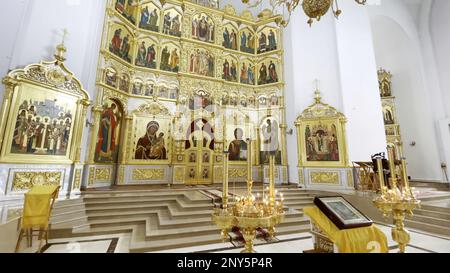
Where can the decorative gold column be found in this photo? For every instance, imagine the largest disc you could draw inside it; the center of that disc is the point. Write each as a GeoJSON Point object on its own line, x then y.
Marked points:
{"type": "Point", "coordinates": [272, 180]}
{"type": "Point", "coordinates": [78, 138]}
{"type": "Point", "coordinates": [225, 180]}
{"type": "Point", "coordinates": [283, 128]}
{"type": "Point", "coordinates": [123, 158]}
{"type": "Point", "coordinates": [249, 167]}
{"type": "Point", "coordinates": [392, 167]}
{"type": "Point", "coordinates": [9, 84]}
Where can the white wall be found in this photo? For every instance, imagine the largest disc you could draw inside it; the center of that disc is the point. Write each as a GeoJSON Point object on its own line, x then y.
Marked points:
{"type": "Point", "coordinates": [360, 93]}
{"type": "Point", "coordinates": [398, 48]}
{"type": "Point", "coordinates": [439, 28]}
{"type": "Point", "coordinates": [310, 53]}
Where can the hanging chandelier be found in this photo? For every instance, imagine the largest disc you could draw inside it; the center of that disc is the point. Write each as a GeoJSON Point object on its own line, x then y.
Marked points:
{"type": "Point", "coordinates": [314, 9]}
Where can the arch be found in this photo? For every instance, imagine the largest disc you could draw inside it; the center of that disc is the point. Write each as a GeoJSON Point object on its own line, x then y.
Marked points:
{"type": "Point", "coordinates": [230, 35]}
{"type": "Point", "coordinates": [268, 38]}
{"type": "Point", "coordinates": [399, 52]}
{"type": "Point", "coordinates": [203, 28]}
{"type": "Point", "coordinates": [120, 41]}
{"type": "Point", "coordinates": [172, 21]}
{"type": "Point", "coordinates": [247, 40]}
{"type": "Point", "coordinates": [230, 68]}
{"type": "Point", "coordinates": [109, 135]}
{"type": "Point", "coordinates": [268, 71]}
{"type": "Point", "coordinates": [146, 53]}
{"type": "Point", "coordinates": [170, 57]}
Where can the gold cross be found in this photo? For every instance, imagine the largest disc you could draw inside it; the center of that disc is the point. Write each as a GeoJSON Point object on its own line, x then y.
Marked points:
{"type": "Point", "coordinates": [65, 34]}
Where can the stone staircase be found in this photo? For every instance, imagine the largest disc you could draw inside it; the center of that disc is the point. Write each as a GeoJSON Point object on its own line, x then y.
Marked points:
{"type": "Point", "coordinates": [158, 220]}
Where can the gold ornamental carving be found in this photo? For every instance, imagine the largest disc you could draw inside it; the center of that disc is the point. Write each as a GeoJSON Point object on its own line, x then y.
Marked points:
{"type": "Point", "coordinates": [91, 175]}
{"type": "Point", "coordinates": [77, 180]}
{"type": "Point", "coordinates": [179, 174]}
{"type": "Point", "coordinates": [25, 180]}
{"type": "Point", "coordinates": [350, 181]}
{"type": "Point", "coordinates": [148, 174]}
{"type": "Point", "coordinates": [237, 173]}
{"type": "Point", "coordinates": [323, 177]}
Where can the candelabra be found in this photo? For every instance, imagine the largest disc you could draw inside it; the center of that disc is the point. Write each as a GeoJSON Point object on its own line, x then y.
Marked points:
{"type": "Point", "coordinates": [399, 200]}
{"type": "Point", "coordinates": [249, 212]}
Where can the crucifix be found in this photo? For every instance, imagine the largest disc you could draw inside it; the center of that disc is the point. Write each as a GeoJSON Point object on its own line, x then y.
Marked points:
{"type": "Point", "coordinates": [64, 35]}
{"type": "Point", "coordinates": [317, 84]}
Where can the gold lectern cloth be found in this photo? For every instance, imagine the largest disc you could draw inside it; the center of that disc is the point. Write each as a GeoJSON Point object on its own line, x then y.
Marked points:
{"type": "Point", "coordinates": [356, 240]}
{"type": "Point", "coordinates": [36, 209]}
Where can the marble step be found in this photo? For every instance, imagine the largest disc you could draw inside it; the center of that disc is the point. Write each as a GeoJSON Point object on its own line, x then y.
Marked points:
{"type": "Point", "coordinates": [176, 242]}
{"type": "Point", "coordinates": [431, 213]}
{"type": "Point", "coordinates": [427, 227]}
{"type": "Point", "coordinates": [152, 233]}
{"type": "Point", "coordinates": [431, 220]}
{"type": "Point", "coordinates": [435, 208]}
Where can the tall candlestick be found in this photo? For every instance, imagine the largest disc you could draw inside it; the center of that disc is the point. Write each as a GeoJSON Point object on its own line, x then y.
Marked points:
{"type": "Point", "coordinates": [392, 167]}
{"type": "Point", "coordinates": [249, 166]}
{"type": "Point", "coordinates": [225, 181]}
{"type": "Point", "coordinates": [380, 175]}
{"type": "Point", "coordinates": [271, 180]}
{"type": "Point", "coordinates": [405, 175]}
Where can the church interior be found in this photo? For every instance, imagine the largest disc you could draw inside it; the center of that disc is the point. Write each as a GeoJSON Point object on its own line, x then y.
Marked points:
{"type": "Point", "coordinates": [225, 126]}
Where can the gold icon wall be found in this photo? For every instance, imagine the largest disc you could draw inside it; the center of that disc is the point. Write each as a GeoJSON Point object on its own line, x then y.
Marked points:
{"type": "Point", "coordinates": [168, 72]}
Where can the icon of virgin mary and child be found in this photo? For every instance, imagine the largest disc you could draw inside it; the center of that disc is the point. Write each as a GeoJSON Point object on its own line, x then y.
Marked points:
{"type": "Point", "coordinates": [151, 146]}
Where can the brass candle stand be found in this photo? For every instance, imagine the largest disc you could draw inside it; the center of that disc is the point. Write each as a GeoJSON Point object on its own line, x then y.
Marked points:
{"type": "Point", "coordinates": [248, 212]}
{"type": "Point", "coordinates": [398, 201]}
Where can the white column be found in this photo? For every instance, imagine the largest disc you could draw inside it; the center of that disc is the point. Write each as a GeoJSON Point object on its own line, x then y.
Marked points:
{"type": "Point", "coordinates": [359, 83]}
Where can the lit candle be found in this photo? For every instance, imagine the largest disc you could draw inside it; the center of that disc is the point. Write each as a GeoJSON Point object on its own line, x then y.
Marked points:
{"type": "Point", "coordinates": [392, 167]}
{"type": "Point", "coordinates": [405, 175]}
{"type": "Point", "coordinates": [380, 175]}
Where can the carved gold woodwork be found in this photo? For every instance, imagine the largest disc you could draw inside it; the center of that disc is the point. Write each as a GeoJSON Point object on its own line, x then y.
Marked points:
{"type": "Point", "coordinates": [322, 118]}
{"type": "Point", "coordinates": [350, 181]}
{"type": "Point", "coordinates": [103, 174]}
{"type": "Point", "coordinates": [77, 180]}
{"type": "Point", "coordinates": [25, 180]}
{"type": "Point", "coordinates": [91, 176]}
{"type": "Point", "coordinates": [237, 173]}
{"type": "Point", "coordinates": [324, 177]}
{"type": "Point", "coordinates": [148, 174]}
{"type": "Point", "coordinates": [27, 89]}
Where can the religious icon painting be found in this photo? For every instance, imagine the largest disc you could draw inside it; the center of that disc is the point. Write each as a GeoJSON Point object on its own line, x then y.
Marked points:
{"type": "Point", "coordinates": [163, 92]}
{"type": "Point", "coordinates": [149, 89]}
{"type": "Point", "coordinates": [267, 40]}
{"type": "Point", "coordinates": [124, 83]}
{"type": "Point", "coordinates": [247, 72]}
{"type": "Point", "coordinates": [173, 93]}
{"type": "Point", "coordinates": [243, 101]}
{"type": "Point", "coordinates": [230, 37]}
{"type": "Point", "coordinates": [225, 99]}
{"type": "Point", "coordinates": [267, 72]}
{"type": "Point", "coordinates": [150, 15]}
{"type": "Point", "coordinates": [251, 101]}
{"type": "Point", "coordinates": [247, 40]}
{"type": "Point", "coordinates": [321, 136]}
{"type": "Point", "coordinates": [146, 53]}
{"type": "Point", "coordinates": [172, 22]}
{"type": "Point", "coordinates": [237, 149]}
{"type": "Point", "coordinates": [137, 87]}
{"type": "Point", "coordinates": [270, 140]}
{"type": "Point", "coordinates": [274, 100]}
{"type": "Point", "coordinates": [151, 139]}
{"type": "Point", "coordinates": [43, 123]}
{"type": "Point", "coordinates": [201, 62]}
{"type": "Point", "coordinates": [388, 114]}
{"type": "Point", "coordinates": [170, 57]}
{"type": "Point", "coordinates": [110, 77]}
{"type": "Point", "coordinates": [192, 157]}
{"type": "Point", "coordinates": [128, 9]}
{"type": "Point", "coordinates": [120, 42]}
{"type": "Point", "coordinates": [203, 28]}
{"type": "Point", "coordinates": [230, 69]}
{"type": "Point", "coordinates": [321, 142]}
{"type": "Point", "coordinates": [108, 136]}
{"type": "Point", "coordinates": [205, 173]}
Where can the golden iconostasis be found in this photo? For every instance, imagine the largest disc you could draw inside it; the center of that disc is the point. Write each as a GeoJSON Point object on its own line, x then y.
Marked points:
{"type": "Point", "coordinates": [168, 72]}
